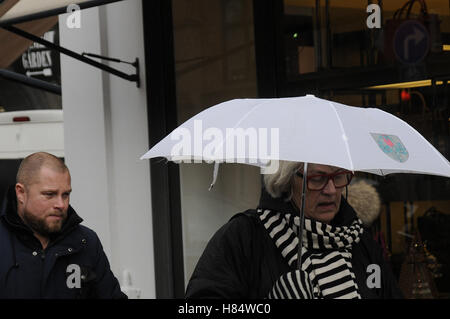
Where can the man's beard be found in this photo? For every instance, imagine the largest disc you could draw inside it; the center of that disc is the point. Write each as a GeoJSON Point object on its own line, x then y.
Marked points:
{"type": "Point", "coordinates": [41, 226]}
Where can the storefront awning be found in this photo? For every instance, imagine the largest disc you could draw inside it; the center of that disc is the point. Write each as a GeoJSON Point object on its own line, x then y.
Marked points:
{"type": "Point", "coordinates": [24, 21]}
{"type": "Point", "coordinates": [12, 46]}
{"type": "Point", "coordinates": [18, 11]}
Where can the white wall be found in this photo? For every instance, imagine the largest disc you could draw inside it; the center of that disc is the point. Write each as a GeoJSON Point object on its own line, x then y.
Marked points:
{"type": "Point", "coordinates": [237, 189]}
{"type": "Point", "coordinates": [105, 127]}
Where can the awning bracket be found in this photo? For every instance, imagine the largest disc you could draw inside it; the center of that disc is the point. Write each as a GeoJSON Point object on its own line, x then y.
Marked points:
{"type": "Point", "coordinates": [81, 57]}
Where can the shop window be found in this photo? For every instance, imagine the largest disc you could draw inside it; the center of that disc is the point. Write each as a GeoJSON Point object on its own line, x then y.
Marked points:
{"type": "Point", "coordinates": [35, 61]}
{"type": "Point", "coordinates": [215, 62]}
{"type": "Point", "coordinates": [44, 129]}
{"type": "Point", "coordinates": [330, 34]}
{"type": "Point", "coordinates": [330, 51]}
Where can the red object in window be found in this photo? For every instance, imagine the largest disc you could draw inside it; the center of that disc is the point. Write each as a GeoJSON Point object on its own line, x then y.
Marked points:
{"type": "Point", "coordinates": [405, 95]}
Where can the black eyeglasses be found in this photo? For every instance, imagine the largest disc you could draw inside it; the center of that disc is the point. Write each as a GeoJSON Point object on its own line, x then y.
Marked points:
{"type": "Point", "coordinates": [319, 181]}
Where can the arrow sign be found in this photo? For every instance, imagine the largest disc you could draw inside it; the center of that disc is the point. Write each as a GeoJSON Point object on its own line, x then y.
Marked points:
{"type": "Point", "coordinates": [44, 72]}
{"type": "Point", "coordinates": [416, 37]}
{"type": "Point", "coordinates": [411, 42]}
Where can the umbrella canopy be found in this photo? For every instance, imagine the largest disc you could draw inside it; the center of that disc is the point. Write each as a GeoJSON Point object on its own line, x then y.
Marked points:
{"type": "Point", "coordinates": [302, 129]}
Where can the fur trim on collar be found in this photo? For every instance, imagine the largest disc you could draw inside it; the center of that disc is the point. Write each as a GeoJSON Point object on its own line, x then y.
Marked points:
{"type": "Point", "coordinates": [365, 200]}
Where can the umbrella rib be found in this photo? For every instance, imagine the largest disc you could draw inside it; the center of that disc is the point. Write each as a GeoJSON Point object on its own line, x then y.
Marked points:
{"type": "Point", "coordinates": [420, 136]}
{"type": "Point", "coordinates": [344, 136]}
{"type": "Point", "coordinates": [240, 121]}
{"type": "Point", "coordinates": [432, 146]}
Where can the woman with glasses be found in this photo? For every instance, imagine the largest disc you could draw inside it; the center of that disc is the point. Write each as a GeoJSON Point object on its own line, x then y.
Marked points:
{"type": "Point", "coordinates": [255, 255]}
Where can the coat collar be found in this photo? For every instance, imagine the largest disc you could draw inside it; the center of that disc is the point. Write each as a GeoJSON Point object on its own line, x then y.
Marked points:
{"type": "Point", "coordinates": [8, 215]}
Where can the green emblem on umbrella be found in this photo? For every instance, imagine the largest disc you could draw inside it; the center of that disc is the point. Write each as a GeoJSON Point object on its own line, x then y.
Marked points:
{"type": "Point", "coordinates": [392, 146]}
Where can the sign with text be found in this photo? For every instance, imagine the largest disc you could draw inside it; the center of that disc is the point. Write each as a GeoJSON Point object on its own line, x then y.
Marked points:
{"type": "Point", "coordinates": [39, 61]}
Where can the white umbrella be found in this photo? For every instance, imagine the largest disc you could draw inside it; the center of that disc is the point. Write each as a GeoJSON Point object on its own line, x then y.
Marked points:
{"type": "Point", "coordinates": [302, 129]}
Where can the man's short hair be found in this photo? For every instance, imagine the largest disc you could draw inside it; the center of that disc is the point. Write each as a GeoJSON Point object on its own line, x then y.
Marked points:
{"type": "Point", "coordinates": [32, 164]}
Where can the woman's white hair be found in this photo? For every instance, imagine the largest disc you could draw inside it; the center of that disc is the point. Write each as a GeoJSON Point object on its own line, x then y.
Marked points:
{"type": "Point", "coordinates": [279, 184]}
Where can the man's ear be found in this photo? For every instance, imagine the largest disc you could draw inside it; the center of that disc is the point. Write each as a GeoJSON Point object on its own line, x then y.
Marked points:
{"type": "Point", "coordinates": [20, 192]}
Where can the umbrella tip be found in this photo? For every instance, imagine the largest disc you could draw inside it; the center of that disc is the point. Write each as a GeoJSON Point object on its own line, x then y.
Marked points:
{"type": "Point", "coordinates": [309, 95]}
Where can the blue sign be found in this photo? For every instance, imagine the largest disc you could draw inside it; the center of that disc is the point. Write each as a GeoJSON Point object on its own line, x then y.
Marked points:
{"type": "Point", "coordinates": [411, 42]}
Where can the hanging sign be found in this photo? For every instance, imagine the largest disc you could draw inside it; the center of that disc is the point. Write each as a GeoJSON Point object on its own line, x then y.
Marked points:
{"type": "Point", "coordinates": [40, 62]}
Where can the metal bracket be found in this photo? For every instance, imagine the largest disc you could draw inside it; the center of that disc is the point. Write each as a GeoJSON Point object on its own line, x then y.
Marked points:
{"type": "Point", "coordinates": [135, 64]}
{"type": "Point", "coordinates": [80, 57]}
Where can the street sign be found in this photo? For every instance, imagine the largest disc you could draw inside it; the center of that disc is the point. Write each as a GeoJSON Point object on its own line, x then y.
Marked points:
{"type": "Point", "coordinates": [411, 42]}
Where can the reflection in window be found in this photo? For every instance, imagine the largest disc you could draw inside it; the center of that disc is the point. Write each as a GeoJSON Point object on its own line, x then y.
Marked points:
{"type": "Point", "coordinates": [401, 68]}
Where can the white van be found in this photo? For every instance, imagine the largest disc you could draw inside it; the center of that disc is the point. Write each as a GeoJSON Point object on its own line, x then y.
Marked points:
{"type": "Point", "coordinates": [25, 132]}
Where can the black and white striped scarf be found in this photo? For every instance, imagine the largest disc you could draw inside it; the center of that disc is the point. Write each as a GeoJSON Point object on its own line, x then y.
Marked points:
{"type": "Point", "coordinates": [326, 270]}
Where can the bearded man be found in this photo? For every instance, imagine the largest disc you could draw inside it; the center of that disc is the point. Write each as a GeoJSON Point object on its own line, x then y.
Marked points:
{"type": "Point", "coordinates": [45, 252]}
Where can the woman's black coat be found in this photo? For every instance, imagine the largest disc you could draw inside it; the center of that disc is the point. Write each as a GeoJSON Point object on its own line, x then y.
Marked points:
{"type": "Point", "coordinates": [241, 260]}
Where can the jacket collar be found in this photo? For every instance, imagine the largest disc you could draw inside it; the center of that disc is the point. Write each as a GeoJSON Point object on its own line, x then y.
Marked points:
{"type": "Point", "coordinates": [345, 215]}
{"type": "Point", "coordinates": [8, 215]}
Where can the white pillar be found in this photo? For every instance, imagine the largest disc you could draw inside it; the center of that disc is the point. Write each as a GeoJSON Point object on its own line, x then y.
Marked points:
{"type": "Point", "coordinates": [105, 127]}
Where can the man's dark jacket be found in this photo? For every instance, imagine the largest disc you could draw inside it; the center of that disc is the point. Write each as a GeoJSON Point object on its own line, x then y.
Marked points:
{"type": "Point", "coordinates": [241, 260]}
{"type": "Point", "coordinates": [28, 271]}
